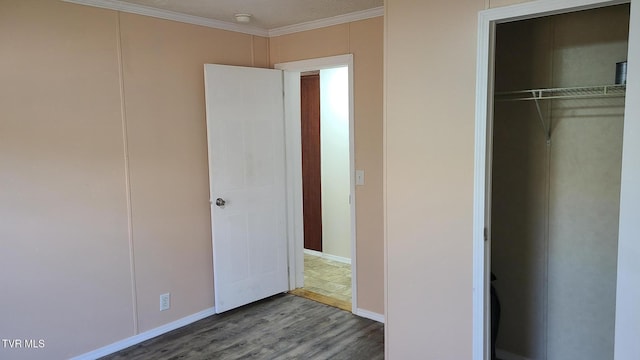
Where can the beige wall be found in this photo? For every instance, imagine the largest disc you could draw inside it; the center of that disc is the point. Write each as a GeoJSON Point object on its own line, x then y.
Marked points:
{"type": "Point", "coordinates": [499, 3]}
{"type": "Point", "coordinates": [63, 228]}
{"type": "Point", "coordinates": [430, 52]}
{"type": "Point", "coordinates": [104, 182]}
{"type": "Point", "coordinates": [429, 127]}
{"type": "Point", "coordinates": [66, 257]}
{"type": "Point", "coordinates": [363, 39]}
{"type": "Point", "coordinates": [164, 109]}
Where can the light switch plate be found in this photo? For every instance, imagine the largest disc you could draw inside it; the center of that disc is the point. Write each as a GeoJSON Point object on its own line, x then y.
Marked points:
{"type": "Point", "coordinates": [359, 177]}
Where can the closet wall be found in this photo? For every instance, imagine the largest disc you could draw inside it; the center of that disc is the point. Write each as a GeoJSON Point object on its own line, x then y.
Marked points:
{"type": "Point", "coordinates": [555, 207]}
{"type": "Point", "coordinates": [519, 198]}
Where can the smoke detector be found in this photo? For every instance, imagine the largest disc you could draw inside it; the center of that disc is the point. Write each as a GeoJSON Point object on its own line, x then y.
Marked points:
{"type": "Point", "coordinates": [243, 18]}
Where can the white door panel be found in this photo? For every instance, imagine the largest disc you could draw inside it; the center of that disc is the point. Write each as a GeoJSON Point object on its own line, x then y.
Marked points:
{"type": "Point", "coordinates": [245, 128]}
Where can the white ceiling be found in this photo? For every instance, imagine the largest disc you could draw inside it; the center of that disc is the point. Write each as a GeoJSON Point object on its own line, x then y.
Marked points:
{"type": "Point", "coordinates": [266, 14]}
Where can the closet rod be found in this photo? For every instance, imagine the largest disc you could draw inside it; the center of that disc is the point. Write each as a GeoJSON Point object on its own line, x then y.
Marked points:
{"type": "Point", "coordinates": [583, 92]}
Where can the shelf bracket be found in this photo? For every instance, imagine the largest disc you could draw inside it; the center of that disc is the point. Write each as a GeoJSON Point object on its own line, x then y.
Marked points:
{"type": "Point", "coordinates": [545, 127]}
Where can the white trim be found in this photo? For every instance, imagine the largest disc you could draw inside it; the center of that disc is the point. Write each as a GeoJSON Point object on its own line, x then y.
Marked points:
{"type": "Point", "coordinates": [316, 64]}
{"type": "Point", "coordinates": [480, 351]}
{"type": "Point", "coordinates": [131, 8]}
{"type": "Point", "coordinates": [352, 170]}
{"type": "Point", "coordinates": [505, 355]}
{"type": "Point", "coordinates": [294, 170]}
{"type": "Point", "coordinates": [627, 323]}
{"type": "Point", "coordinates": [385, 177]}
{"type": "Point", "coordinates": [337, 258]}
{"type": "Point", "coordinates": [369, 315]}
{"type": "Point", "coordinates": [335, 20]}
{"type": "Point", "coordinates": [136, 339]}
{"type": "Point", "coordinates": [313, 252]}
{"type": "Point", "coordinates": [540, 8]}
{"type": "Point", "coordinates": [483, 122]}
{"type": "Point", "coordinates": [293, 156]}
{"type": "Point", "coordinates": [171, 15]}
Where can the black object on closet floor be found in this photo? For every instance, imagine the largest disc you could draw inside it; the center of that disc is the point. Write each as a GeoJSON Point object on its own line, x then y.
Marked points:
{"type": "Point", "coordinates": [495, 318]}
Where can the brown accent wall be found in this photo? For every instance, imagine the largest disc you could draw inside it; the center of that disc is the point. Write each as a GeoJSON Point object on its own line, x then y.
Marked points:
{"type": "Point", "coordinates": [311, 174]}
{"type": "Point", "coordinates": [364, 40]}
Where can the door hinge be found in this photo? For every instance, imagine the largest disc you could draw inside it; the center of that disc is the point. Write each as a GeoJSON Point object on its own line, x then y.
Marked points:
{"type": "Point", "coordinates": [486, 234]}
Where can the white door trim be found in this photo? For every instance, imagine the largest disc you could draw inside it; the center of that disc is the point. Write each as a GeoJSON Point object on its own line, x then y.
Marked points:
{"type": "Point", "coordinates": [628, 294]}
{"type": "Point", "coordinates": [294, 166]}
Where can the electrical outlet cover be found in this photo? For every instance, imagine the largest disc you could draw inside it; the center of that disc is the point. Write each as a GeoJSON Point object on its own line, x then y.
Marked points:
{"type": "Point", "coordinates": [165, 301]}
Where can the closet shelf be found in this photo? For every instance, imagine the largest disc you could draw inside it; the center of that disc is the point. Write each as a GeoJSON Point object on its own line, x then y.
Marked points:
{"type": "Point", "coordinates": [583, 92]}
{"type": "Point", "coordinates": [563, 93]}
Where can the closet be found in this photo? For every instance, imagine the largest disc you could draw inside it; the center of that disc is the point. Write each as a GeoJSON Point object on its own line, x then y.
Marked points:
{"type": "Point", "coordinates": [556, 166]}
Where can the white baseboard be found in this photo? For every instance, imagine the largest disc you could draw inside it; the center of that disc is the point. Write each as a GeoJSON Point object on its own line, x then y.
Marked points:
{"type": "Point", "coordinates": [505, 355]}
{"type": "Point", "coordinates": [337, 258]}
{"type": "Point", "coordinates": [136, 339]}
{"type": "Point", "coordinates": [313, 252]}
{"type": "Point", "coordinates": [328, 256]}
{"type": "Point", "coordinates": [370, 315]}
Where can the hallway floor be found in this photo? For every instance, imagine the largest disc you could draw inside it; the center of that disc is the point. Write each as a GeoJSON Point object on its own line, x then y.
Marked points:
{"type": "Point", "coordinates": [326, 281]}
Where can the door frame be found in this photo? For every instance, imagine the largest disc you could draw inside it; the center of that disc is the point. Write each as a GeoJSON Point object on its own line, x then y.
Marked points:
{"type": "Point", "coordinates": [293, 151]}
{"type": "Point", "coordinates": [627, 293]}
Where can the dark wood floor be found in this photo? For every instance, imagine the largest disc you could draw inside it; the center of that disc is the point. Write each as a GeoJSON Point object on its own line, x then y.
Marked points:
{"type": "Point", "coordinates": [280, 327]}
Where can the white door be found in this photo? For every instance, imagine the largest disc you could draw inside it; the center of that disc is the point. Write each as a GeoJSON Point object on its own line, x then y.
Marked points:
{"type": "Point", "coordinates": [245, 129]}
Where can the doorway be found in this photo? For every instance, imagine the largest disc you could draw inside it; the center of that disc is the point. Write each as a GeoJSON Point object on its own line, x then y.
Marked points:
{"type": "Point", "coordinates": [326, 186]}
{"type": "Point", "coordinates": [495, 203]}
{"type": "Point", "coordinates": [336, 223]}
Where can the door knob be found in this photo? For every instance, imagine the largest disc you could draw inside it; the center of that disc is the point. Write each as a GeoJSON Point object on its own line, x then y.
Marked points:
{"type": "Point", "coordinates": [220, 202]}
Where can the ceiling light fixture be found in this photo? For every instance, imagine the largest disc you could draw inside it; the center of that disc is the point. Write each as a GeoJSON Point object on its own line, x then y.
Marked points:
{"type": "Point", "coordinates": [243, 18]}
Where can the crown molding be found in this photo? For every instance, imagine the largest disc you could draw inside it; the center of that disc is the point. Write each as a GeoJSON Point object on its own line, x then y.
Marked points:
{"type": "Point", "coordinates": [229, 26]}
{"type": "Point", "coordinates": [335, 20]}
{"type": "Point", "coordinates": [171, 15]}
